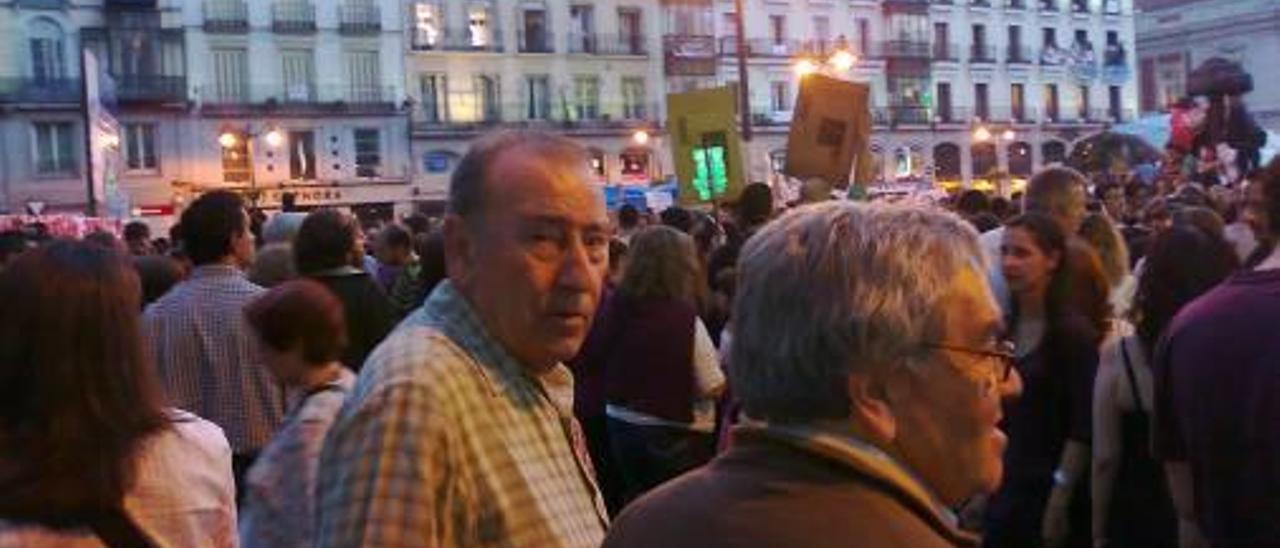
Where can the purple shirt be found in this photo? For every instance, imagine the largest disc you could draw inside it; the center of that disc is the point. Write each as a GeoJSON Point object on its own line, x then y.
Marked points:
{"type": "Point", "coordinates": [1218, 407]}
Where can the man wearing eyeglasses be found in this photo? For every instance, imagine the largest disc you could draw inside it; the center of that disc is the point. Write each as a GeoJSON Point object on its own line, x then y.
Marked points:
{"type": "Point", "coordinates": [867, 359]}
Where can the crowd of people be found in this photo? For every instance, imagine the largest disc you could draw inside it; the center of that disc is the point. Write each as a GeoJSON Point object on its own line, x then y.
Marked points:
{"type": "Point", "coordinates": [1088, 363]}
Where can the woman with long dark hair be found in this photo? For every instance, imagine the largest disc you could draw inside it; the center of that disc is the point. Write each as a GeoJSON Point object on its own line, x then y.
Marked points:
{"type": "Point", "coordinates": [87, 447]}
{"type": "Point", "coordinates": [662, 373]}
{"type": "Point", "coordinates": [1060, 314]}
{"type": "Point", "coordinates": [1131, 502]}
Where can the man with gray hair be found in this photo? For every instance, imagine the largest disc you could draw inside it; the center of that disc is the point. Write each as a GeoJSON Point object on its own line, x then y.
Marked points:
{"type": "Point", "coordinates": [868, 362]}
{"type": "Point", "coordinates": [460, 429]}
{"type": "Point", "coordinates": [1058, 192]}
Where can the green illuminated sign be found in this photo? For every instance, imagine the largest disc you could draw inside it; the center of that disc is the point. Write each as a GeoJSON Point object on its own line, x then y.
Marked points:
{"type": "Point", "coordinates": [711, 168]}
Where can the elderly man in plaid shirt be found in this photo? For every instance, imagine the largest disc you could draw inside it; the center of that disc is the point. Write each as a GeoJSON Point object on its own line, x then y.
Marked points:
{"type": "Point", "coordinates": [460, 430]}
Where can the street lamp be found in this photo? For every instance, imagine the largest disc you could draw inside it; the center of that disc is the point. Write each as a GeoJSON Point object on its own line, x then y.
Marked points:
{"type": "Point", "coordinates": [842, 60]}
{"type": "Point", "coordinates": [640, 137]}
{"type": "Point", "coordinates": [229, 139]}
{"type": "Point", "coordinates": [982, 134]}
{"type": "Point", "coordinates": [805, 67]}
{"type": "Point", "coordinates": [1008, 135]}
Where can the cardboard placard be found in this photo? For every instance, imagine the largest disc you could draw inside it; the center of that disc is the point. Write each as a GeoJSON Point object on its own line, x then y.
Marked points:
{"type": "Point", "coordinates": [831, 128]}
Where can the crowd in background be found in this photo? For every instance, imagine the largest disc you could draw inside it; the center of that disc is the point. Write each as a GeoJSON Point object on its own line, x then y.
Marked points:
{"type": "Point", "coordinates": [179, 390]}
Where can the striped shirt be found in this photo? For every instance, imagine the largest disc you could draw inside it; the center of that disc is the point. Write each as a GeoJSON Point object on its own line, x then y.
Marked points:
{"type": "Point", "coordinates": [207, 357]}
{"type": "Point", "coordinates": [447, 441]}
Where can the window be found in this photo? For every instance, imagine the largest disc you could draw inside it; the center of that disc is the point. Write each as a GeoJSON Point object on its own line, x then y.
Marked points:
{"type": "Point", "coordinates": [486, 98]}
{"type": "Point", "coordinates": [821, 29]}
{"type": "Point", "coordinates": [979, 37]}
{"type": "Point", "coordinates": [48, 60]}
{"type": "Point", "coordinates": [779, 96]}
{"type": "Point", "coordinates": [633, 98]}
{"type": "Point", "coordinates": [981, 106]}
{"type": "Point", "coordinates": [729, 20]}
{"type": "Point", "coordinates": [1083, 103]}
{"type": "Point", "coordinates": [1015, 43]}
{"type": "Point", "coordinates": [537, 97]}
{"type": "Point", "coordinates": [631, 30]}
{"type": "Point", "coordinates": [941, 41]}
{"type": "Point", "coordinates": [140, 147]}
{"type": "Point", "coordinates": [302, 155]}
{"type": "Point", "coordinates": [864, 37]}
{"type": "Point", "coordinates": [944, 101]}
{"type": "Point", "coordinates": [54, 148]}
{"type": "Point", "coordinates": [435, 105]}
{"type": "Point", "coordinates": [235, 161]}
{"type": "Point", "coordinates": [596, 161]}
{"type": "Point", "coordinates": [778, 29]}
{"type": "Point", "coordinates": [230, 76]}
{"type": "Point", "coordinates": [1051, 101]}
{"type": "Point", "coordinates": [363, 77]}
{"type": "Point", "coordinates": [535, 32]}
{"type": "Point", "coordinates": [635, 164]}
{"type": "Point", "coordinates": [1114, 103]}
{"type": "Point", "coordinates": [1018, 101]}
{"type": "Point", "coordinates": [479, 27]}
{"type": "Point", "coordinates": [439, 161]}
{"type": "Point", "coordinates": [582, 28]}
{"type": "Point", "coordinates": [586, 89]}
{"type": "Point", "coordinates": [1050, 38]}
{"type": "Point", "coordinates": [427, 29]}
{"type": "Point", "coordinates": [368, 152]}
{"type": "Point", "coordinates": [1113, 38]}
{"type": "Point", "coordinates": [299, 76]}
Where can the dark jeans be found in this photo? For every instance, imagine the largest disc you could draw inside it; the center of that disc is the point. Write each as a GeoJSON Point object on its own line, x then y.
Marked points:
{"type": "Point", "coordinates": [647, 456]}
{"type": "Point", "coordinates": [240, 463]}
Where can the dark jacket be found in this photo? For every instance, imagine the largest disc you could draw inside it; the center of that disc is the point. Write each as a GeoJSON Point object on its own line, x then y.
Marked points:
{"type": "Point", "coordinates": [369, 314]}
{"type": "Point", "coordinates": [649, 356]}
{"type": "Point", "coordinates": [782, 487]}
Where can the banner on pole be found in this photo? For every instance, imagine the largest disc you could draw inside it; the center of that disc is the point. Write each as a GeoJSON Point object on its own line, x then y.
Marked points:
{"type": "Point", "coordinates": [705, 146]}
{"type": "Point", "coordinates": [830, 130]}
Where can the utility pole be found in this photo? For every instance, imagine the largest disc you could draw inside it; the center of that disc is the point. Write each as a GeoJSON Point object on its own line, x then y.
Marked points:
{"type": "Point", "coordinates": [744, 93]}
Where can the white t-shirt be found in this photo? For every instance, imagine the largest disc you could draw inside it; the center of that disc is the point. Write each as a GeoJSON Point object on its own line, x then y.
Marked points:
{"type": "Point", "coordinates": [707, 377]}
{"type": "Point", "coordinates": [183, 494]}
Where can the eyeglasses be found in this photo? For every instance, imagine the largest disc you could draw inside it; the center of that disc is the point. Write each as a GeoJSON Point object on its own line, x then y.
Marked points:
{"type": "Point", "coordinates": [1003, 354]}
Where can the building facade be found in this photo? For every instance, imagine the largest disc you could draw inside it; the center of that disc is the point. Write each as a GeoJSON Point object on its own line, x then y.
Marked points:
{"type": "Point", "coordinates": [1176, 36]}
{"type": "Point", "coordinates": [589, 69]}
{"type": "Point", "coordinates": [1034, 75]}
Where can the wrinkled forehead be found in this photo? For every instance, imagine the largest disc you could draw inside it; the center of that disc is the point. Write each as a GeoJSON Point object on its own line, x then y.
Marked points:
{"type": "Point", "coordinates": [524, 183]}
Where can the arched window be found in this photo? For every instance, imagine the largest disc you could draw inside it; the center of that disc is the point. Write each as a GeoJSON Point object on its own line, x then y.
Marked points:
{"type": "Point", "coordinates": [1020, 159]}
{"type": "Point", "coordinates": [946, 161]}
{"type": "Point", "coordinates": [597, 162]}
{"type": "Point", "coordinates": [984, 160]}
{"type": "Point", "coordinates": [1053, 152]}
{"type": "Point", "coordinates": [636, 164]}
{"type": "Point", "coordinates": [48, 50]}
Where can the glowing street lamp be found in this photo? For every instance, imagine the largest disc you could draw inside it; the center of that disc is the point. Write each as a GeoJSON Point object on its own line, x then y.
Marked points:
{"type": "Point", "coordinates": [805, 67]}
{"type": "Point", "coordinates": [640, 137]}
{"type": "Point", "coordinates": [274, 138]}
{"type": "Point", "coordinates": [1008, 135]}
{"type": "Point", "coordinates": [228, 140]}
{"type": "Point", "coordinates": [982, 134]}
{"type": "Point", "coordinates": [842, 60]}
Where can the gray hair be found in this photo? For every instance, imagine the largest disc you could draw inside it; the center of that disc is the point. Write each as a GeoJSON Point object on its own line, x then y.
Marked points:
{"type": "Point", "coordinates": [467, 186]}
{"type": "Point", "coordinates": [836, 288]}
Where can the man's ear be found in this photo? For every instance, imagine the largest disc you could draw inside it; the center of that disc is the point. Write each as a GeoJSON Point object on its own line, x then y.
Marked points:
{"type": "Point", "coordinates": [870, 409]}
{"type": "Point", "coordinates": [458, 244]}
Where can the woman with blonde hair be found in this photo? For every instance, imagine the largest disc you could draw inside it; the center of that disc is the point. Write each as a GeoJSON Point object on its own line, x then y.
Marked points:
{"type": "Point", "coordinates": [1101, 233]}
{"type": "Point", "coordinates": [662, 374]}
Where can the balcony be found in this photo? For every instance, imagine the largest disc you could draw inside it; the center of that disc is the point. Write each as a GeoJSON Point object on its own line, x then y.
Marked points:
{"type": "Point", "coordinates": [906, 49]}
{"type": "Point", "coordinates": [1021, 115]}
{"type": "Point", "coordinates": [626, 44]}
{"type": "Point", "coordinates": [463, 40]}
{"type": "Point", "coordinates": [950, 115]}
{"type": "Point", "coordinates": [1050, 6]}
{"type": "Point", "coordinates": [909, 115]}
{"type": "Point", "coordinates": [151, 89]}
{"type": "Point", "coordinates": [689, 55]}
{"type": "Point", "coordinates": [1080, 6]}
{"type": "Point", "coordinates": [299, 99]}
{"type": "Point", "coordinates": [40, 91]}
{"type": "Point", "coordinates": [567, 115]}
{"type": "Point", "coordinates": [293, 17]}
{"type": "Point", "coordinates": [1018, 55]}
{"type": "Point", "coordinates": [535, 42]}
{"type": "Point", "coordinates": [359, 19]}
{"type": "Point", "coordinates": [583, 42]}
{"type": "Point", "coordinates": [944, 52]}
{"type": "Point", "coordinates": [226, 17]}
{"type": "Point", "coordinates": [773, 47]}
{"type": "Point", "coordinates": [982, 53]}
{"type": "Point", "coordinates": [130, 4]}
{"type": "Point", "coordinates": [1015, 4]}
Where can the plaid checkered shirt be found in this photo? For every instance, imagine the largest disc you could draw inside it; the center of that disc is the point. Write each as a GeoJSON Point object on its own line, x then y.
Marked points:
{"type": "Point", "coordinates": [447, 441]}
{"type": "Point", "coordinates": [207, 357]}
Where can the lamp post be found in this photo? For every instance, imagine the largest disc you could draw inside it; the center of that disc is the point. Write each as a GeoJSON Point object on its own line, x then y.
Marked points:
{"type": "Point", "coordinates": [744, 95]}
{"type": "Point", "coordinates": [230, 139]}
